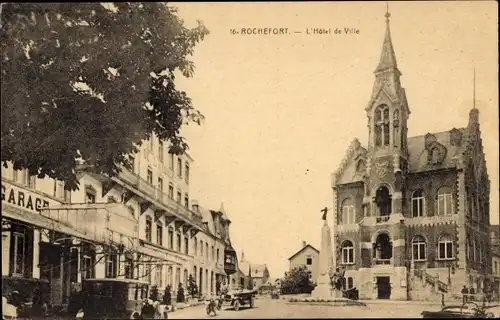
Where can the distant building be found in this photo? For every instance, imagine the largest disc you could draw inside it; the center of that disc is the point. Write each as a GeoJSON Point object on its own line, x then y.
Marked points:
{"type": "Point", "coordinates": [257, 273]}
{"type": "Point", "coordinates": [307, 256]}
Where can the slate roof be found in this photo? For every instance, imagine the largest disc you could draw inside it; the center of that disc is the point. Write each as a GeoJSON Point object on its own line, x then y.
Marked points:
{"type": "Point", "coordinates": [302, 249]}
{"type": "Point", "coordinates": [207, 217]}
{"type": "Point", "coordinates": [417, 154]}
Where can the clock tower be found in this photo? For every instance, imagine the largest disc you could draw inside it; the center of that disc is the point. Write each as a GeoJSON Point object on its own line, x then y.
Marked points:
{"type": "Point", "coordinates": [387, 156]}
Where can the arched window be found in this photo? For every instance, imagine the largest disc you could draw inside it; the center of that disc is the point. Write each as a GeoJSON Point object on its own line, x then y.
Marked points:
{"type": "Point", "coordinates": [384, 202]}
{"type": "Point", "coordinates": [348, 214]}
{"type": "Point", "coordinates": [382, 122]}
{"type": "Point", "coordinates": [417, 203]}
{"type": "Point", "coordinates": [383, 249]}
{"type": "Point", "coordinates": [90, 194]}
{"type": "Point", "coordinates": [418, 245]}
{"type": "Point", "coordinates": [444, 201]}
{"type": "Point", "coordinates": [347, 252]}
{"type": "Point", "coordinates": [445, 247]}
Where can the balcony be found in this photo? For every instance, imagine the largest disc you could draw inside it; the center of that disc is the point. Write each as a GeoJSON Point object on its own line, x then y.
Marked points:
{"type": "Point", "coordinates": [158, 195]}
{"type": "Point", "coordinates": [383, 219]}
{"type": "Point", "coordinates": [382, 262]}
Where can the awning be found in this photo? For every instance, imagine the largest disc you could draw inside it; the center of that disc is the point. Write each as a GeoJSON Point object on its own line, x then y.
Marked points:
{"type": "Point", "coordinates": [31, 219]}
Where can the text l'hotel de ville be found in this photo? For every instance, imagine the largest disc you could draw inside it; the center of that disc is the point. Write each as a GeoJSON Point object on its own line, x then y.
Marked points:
{"type": "Point", "coordinates": [288, 31]}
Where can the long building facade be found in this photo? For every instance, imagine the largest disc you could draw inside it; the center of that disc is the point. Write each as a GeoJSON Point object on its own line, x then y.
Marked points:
{"type": "Point", "coordinates": [139, 225]}
{"type": "Point", "coordinates": [411, 214]}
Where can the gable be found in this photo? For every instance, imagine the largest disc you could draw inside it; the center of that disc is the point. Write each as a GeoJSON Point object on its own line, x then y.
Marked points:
{"type": "Point", "coordinates": [353, 166]}
{"type": "Point", "coordinates": [307, 250]}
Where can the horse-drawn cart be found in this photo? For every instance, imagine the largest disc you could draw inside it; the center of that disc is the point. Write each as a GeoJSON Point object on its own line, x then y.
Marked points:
{"type": "Point", "coordinates": [239, 298]}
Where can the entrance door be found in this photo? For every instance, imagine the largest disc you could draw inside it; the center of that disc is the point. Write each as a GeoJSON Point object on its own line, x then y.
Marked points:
{"type": "Point", "coordinates": [384, 287]}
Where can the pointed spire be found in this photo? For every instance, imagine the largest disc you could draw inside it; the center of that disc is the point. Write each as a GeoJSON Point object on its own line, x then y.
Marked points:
{"type": "Point", "coordinates": [221, 210]}
{"type": "Point", "coordinates": [474, 90]}
{"type": "Point", "coordinates": [388, 57]}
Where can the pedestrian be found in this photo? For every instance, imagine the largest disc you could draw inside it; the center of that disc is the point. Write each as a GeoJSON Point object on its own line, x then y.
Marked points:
{"type": "Point", "coordinates": [148, 311]}
{"type": "Point", "coordinates": [465, 292]}
{"type": "Point", "coordinates": [471, 293]}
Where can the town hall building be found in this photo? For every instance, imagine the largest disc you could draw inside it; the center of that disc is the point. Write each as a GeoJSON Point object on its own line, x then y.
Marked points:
{"type": "Point", "coordinates": [411, 214]}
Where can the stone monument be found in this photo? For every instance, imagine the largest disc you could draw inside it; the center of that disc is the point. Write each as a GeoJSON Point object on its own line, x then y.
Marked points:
{"type": "Point", "coordinates": [326, 266]}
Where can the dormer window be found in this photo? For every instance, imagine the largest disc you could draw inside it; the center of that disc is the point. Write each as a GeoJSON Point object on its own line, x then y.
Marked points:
{"type": "Point", "coordinates": [90, 194]}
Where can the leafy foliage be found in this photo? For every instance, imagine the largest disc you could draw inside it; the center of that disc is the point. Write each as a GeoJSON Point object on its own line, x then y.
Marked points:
{"type": "Point", "coordinates": [167, 296]}
{"type": "Point", "coordinates": [180, 294]}
{"type": "Point", "coordinates": [297, 281]}
{"type": "Point", "coordinates": [192, 287]}
{"type": "Point", "coordinates": [91, 81]}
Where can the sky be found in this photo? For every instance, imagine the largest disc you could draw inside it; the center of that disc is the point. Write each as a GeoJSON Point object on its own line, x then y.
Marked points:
{"type": "Point", "coordinates": [281, 110]}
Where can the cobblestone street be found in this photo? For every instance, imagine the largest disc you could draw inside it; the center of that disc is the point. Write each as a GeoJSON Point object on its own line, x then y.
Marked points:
{"type": "Point", "coordinates": [267, 308]}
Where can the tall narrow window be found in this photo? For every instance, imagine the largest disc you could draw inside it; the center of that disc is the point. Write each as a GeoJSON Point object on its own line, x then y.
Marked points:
{"type": "Point", "coordinates": [179, 197]}
{"type": "Point", "coordinates": [159, 233]}
{"type": "Point", "coordinates": [148, 227]}
{"type": "Point", "coordinates": [348, 214]}
{"type": "Point", "coordinates": [129, 268]}
{"type": "Point", "coordinates": [195, 246]}
{"type": "Point", "coordinates": [206, 250]}
{"type": "Point", "coordinates": [419, 248]}
{"type": "Point", "coordinates": [179, 167]}
{"type": "Point", "coordinates": [218, 255]}
{"type": "Point", "coordinates": [213, 253]}
{"type": "Point", "coordinates": [160, 184]}
{"type": "Point", "coordinates": [171, 162]}
{"type": "Point", "coordinates": [347, 252]}
{"type": "Point", "coordinates": [445, 247]}
{"type": "Point", "coordinates": [159, 275]}
{"type": "Point", "coordinates": [160, 150]}
{"type": "Point", "coordinates": [445, 201]}
{"type": "Point", "coordinates": [186, 201]}
{"type": "Point", "coordinates": [382, 128]}
{"type": "Point", "coordinates": [186, 173]}
{"type": "Point", "coordinates": [18, 253]}
{"type": "Point", "coordinates": [111, 265]}
{"type": "Point", "coordinates": [417, 203]}
{"type": "Point", "coordinates": [171, 191]}
{"type": "Point", "coordinates": [179, 242]}
{"type": "Point", "coordinates": [86, 267]}
{"type": "Point", "coordinates": [186, 244]}
{"type": "Point", "coordinates": [149, 176]}
{"type": "Point", "coordinates": [170, 239]}
{"type": "Point", "coordinates": [201, 248]}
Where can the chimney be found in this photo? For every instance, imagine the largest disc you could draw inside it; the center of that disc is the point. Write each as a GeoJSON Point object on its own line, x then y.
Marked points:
{"type": "Point", "coordinates": [195, 205]}
{"type": "Point", "coordinates": [304, 244]}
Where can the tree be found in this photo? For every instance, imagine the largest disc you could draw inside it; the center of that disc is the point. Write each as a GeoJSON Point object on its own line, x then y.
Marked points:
{"type": "Point", "coordinates": [90, 81]}
{"type": "Point", "coordinates": [180, 294]}
{"type": "Point", "coordinates": [167, 297]}
{"type": "Point", "coordinates": [297, 281]}
{"type": "Point", "coordinates": [192, 287]}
